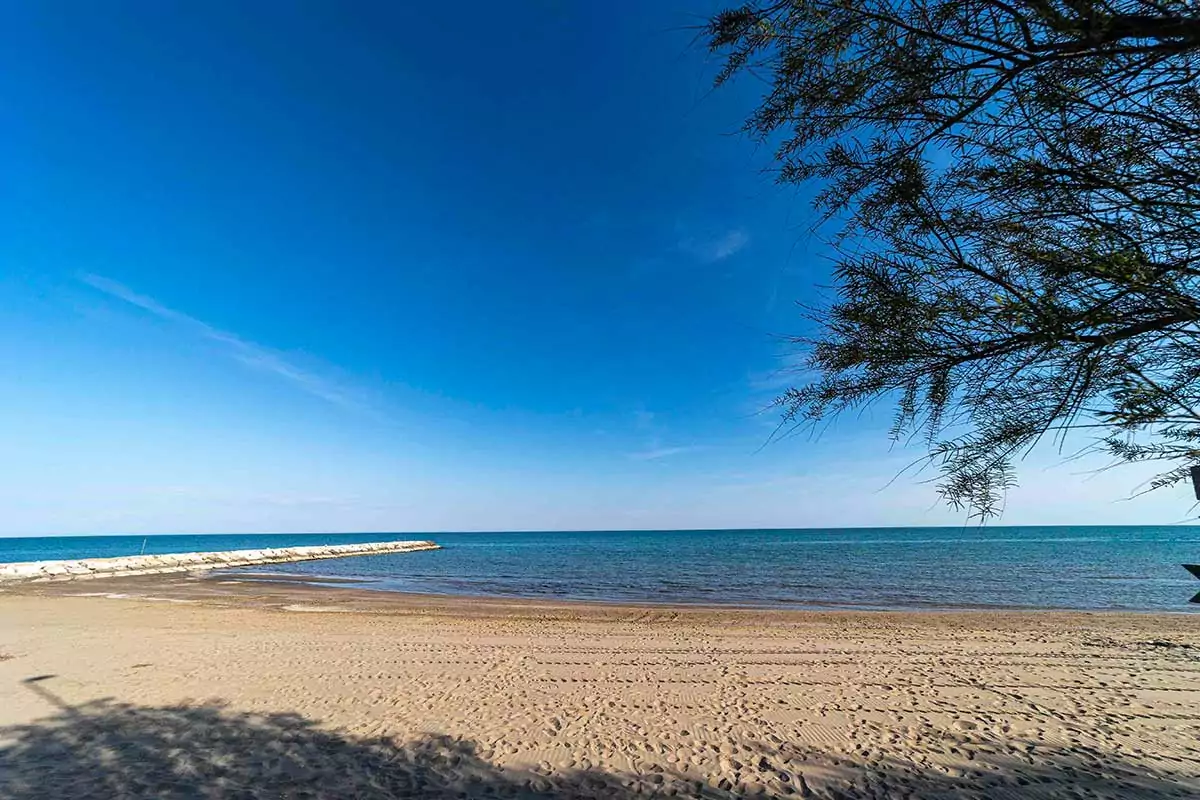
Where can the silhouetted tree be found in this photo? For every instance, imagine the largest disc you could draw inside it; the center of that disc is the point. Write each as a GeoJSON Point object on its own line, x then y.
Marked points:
{"type": "Point", "coordinates": [1014, 187]}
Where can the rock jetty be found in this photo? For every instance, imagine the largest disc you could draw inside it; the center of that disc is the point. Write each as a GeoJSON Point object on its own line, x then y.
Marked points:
{"type": "Point", "coordinates": [75, 569]}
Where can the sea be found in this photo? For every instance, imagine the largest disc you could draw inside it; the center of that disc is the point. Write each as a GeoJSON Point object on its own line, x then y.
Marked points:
{"type": "Point", "coordinates": [1053, 567]}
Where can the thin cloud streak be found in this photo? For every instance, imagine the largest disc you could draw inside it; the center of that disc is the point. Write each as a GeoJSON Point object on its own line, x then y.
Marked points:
{"type": "Point", "coordinates": [246, 353]}
{"type": "Point", "coordinates": [716, 249]}
{"type": "Point", "coordinates": [660, 452]}
{"type": "Point", "coordinates": [792, 374]}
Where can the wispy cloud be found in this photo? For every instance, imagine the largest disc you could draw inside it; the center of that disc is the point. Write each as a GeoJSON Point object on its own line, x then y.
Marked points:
{"type": "Point", "coordinates": [660, 452]}
{"type": "Point", "coordinates": [792, 370]}
{"type": "Point", "coordinates": [247, 353]}
{"type": "Point", "coordinates": [235, 497]}
{"type": "Point", "coordinates": [643, 420]}
{"type": "Point", "coordinates": [717, 248]}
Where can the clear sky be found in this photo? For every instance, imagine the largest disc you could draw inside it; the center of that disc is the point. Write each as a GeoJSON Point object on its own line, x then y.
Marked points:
{"type": "Point", "coordinates": [317, 266]}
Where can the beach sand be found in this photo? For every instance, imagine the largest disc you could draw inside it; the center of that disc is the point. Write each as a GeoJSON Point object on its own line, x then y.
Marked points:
{"type": "Point", "coordinates": [172, 686]}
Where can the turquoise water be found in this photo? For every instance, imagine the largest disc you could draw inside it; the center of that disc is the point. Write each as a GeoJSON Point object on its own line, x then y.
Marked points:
{"type": "Point", "coordinates": [1027, 567]}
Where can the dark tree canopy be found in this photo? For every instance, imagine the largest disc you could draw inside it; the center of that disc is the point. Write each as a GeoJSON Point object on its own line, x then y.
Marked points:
{"type": "Point", "coordinates": [1015, 188]}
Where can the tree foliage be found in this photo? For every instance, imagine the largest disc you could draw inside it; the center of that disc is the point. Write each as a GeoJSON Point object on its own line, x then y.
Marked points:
{"type": "Point", "coordinates": [1014, 186]}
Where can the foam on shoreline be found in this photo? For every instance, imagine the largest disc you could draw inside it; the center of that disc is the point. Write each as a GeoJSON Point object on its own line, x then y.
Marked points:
{"type": "Point", "coordinates": [74, 569]}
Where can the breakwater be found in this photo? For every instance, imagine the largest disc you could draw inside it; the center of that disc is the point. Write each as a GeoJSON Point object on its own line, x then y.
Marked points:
{"type": "Point", "coordinates": [74, 569]}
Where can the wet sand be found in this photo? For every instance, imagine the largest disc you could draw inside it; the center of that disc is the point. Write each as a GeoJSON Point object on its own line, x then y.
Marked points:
{"type": "Point", "coordinates": [172, 686]}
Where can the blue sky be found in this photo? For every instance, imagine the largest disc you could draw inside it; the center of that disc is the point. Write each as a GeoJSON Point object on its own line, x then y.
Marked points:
{"type": "Point", "coordinates": [317, 266]}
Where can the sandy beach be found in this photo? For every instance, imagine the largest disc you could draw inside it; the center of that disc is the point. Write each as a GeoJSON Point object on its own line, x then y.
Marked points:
{"type": "Point", "coordinates": [170, 686]}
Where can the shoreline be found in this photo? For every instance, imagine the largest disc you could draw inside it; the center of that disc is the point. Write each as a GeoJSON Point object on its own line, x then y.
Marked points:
{"type": "Point", "coordinates": [257, 590]}
{"type": "Point", "coordinates": [364, 584]}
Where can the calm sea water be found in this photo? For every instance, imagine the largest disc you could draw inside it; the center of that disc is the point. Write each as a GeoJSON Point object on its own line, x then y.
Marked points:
{"type": "Point", "coordinates": [1030, 567]}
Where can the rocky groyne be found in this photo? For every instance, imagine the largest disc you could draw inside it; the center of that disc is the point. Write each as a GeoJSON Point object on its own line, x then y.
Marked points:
{"type": "Point", "coordinates": [75, 569]}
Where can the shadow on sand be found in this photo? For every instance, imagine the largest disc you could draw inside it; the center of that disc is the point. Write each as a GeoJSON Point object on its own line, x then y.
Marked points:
{"type": "Point", "coordinates": [107, 749]}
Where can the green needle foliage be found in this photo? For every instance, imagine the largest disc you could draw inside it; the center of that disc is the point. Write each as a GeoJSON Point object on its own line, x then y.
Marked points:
{"type": "Point", "coordinates": [1014, 188]}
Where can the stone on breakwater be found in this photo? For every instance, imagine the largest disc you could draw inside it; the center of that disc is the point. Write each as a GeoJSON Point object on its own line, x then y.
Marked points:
{"type": "Point", "coordinates": [72, 569]}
